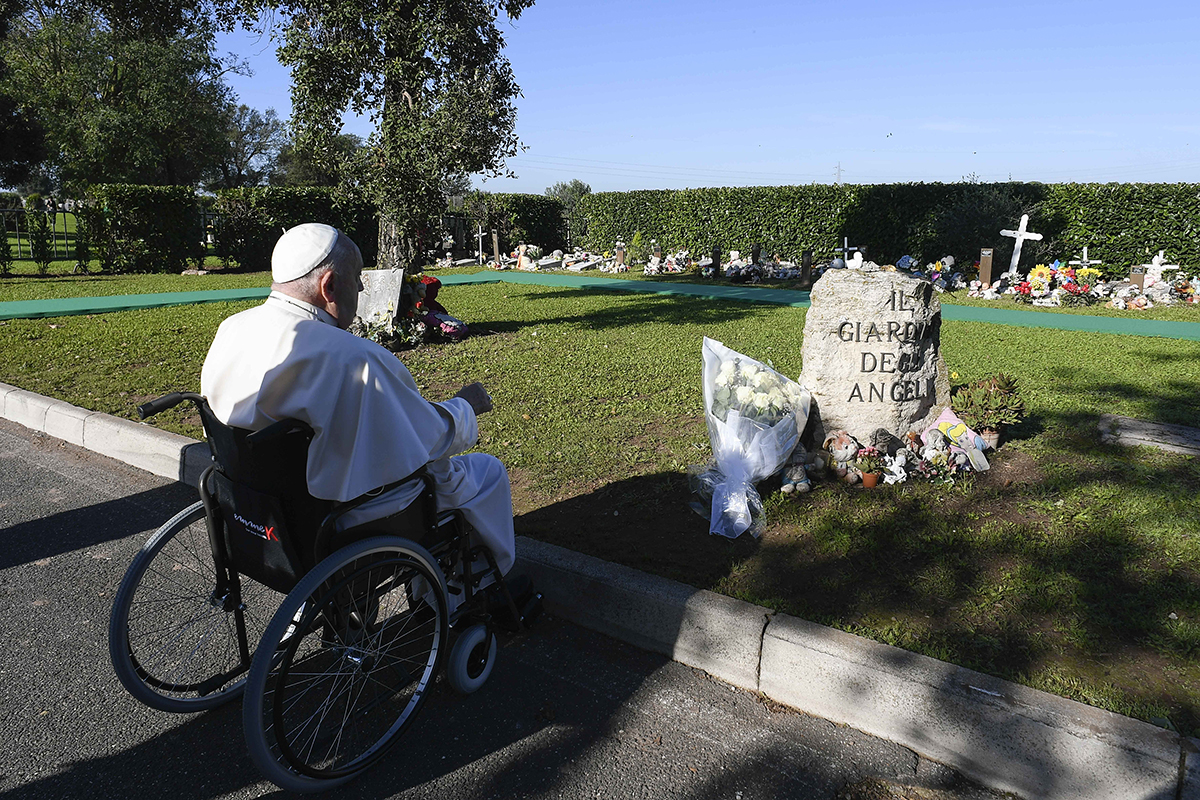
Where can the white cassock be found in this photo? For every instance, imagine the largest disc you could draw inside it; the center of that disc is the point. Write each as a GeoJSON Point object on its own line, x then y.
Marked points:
{"type": "Point", "coordinates": [288, 359]}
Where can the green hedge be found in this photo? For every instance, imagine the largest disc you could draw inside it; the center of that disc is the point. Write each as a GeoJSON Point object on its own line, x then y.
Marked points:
{"type": "Point", "coordinates": [143, 228]}
{"type": "Point", "coordinates": [252, 220]}
{"type": "Point", "coordinates": [1120, 223]}
{"type": "Point", "coordinates": [529, 218]}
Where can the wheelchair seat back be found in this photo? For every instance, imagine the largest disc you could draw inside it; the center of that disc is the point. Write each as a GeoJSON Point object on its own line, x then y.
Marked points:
{"type": "Point", "coordinates": [272, 525]}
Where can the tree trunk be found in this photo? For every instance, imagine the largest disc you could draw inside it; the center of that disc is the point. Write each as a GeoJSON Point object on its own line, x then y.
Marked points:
{"type": "Point", "coordinates": [390, 243]}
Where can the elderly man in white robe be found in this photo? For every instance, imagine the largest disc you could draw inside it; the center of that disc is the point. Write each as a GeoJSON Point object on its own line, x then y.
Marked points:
{"type": "Point", "coordinates": [292, 357]}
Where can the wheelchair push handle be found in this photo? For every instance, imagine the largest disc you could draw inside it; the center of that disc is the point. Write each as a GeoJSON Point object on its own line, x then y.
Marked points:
{"type": "Point", "coordinates": [161, 404]}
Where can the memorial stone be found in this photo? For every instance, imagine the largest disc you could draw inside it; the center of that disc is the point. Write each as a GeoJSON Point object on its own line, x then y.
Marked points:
{"type": "Point", "coordinates": [872, 354]}
{"type": "Point", "coordinates": [806, 259]}
{"type": "Point", "coordinates": [496, 246]}
{"type": "Point", "coordinates": [985, 266]}
{"type": "Point", "coordinates": [380, 297]}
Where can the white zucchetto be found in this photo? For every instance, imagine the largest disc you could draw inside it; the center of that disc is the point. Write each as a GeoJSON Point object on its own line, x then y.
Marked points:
{"type": "Point", "coordinates": [301, 249]}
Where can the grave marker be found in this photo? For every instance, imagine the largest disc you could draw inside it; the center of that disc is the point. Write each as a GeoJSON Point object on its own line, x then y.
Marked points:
{"type": "Point", "coordinates": [480, 238]}
{"type": "Point", "coordinates": [620, 254]}
{"type": "Point", "coordinates": [1020, 234]}
{"type": "Point", "coordinates": [872, 354]}
{"type": "Point", "coordinates": [806, 265]}
{"type": "Point", "coordinates": [755, 253]}
{"type": "Point", "coordinates": [496, 246]}
{"type": "Point", "coordinates": [845, 250]}
{"type": "Point", "coordinates": [380, 297]}
{"type": "Point", "coordinates": [1137, 276]}
{"type": "Point", "coordinates": [985, 266]}
{"type": "Point", "coordinates": [1084, 262]}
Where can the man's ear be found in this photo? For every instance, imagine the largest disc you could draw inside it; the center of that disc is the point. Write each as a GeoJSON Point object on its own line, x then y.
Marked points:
{"type": "Point", "coordinates": [327, 286]}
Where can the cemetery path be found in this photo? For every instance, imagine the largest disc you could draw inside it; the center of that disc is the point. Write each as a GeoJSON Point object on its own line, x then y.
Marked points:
{"type": "Point", "coordinates": [1130, 326]}
{"type": "Point", "coordinates": [567, 712]}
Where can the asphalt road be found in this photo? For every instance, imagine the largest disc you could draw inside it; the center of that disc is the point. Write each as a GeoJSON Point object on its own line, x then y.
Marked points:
{"type": "Point", "coordinates": [567, 713]}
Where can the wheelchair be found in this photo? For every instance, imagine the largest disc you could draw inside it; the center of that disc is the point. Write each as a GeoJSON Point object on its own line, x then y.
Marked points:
{"type": "Point", "coordinates": [334, 638]}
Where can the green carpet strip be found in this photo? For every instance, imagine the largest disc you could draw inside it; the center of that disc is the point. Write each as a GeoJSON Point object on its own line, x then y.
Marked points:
{"type": "Point", "coordinates": [1129, 326]}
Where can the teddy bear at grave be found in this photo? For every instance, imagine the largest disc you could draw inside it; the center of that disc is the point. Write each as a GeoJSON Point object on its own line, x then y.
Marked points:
{"type": "Point", "coordinates": [843, 448]}
{"type": "Point", "coordinates": [935, 443]}
{"type": "Point", "coordinates": [795, 472]}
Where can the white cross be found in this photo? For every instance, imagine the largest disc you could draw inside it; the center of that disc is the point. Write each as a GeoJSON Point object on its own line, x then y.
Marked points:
{"type": "Point", "coordinates": [1085, 262]}
{"type": "Point", "coordinates": [480, 237]}
{"type": "Point", "coordinates": [1020, 234]}
{"type": "Point", "coordinates": [845, 249]}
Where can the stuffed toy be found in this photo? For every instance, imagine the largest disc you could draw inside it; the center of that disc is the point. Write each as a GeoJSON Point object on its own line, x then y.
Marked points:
{"type": "Point", "coordinates": [795, 472]}
{"type": "Point", "coordinates": [843, 448]}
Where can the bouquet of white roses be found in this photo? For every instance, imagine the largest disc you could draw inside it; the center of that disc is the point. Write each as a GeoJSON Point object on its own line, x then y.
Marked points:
{"type": "Point", "coordinates": [755, 416]}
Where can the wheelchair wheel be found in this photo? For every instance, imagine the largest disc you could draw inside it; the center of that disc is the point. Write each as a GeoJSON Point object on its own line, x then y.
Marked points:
{"type": "Point", "coordinates": [346, 663]}
{"type": "Point", "coordinates": [471, 659]}
{"type": "Point", "coordinates": [171, 646]}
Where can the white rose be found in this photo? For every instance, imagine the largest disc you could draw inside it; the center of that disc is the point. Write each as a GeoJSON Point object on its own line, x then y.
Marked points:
{"type": "Point", "coordinates": [745, 395]}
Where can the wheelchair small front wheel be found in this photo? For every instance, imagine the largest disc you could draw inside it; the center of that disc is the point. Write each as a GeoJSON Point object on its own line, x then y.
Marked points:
{"type": "Point", "coordinates": [471, 659]}
{"type": "Point", "coordinates": [346, 664]}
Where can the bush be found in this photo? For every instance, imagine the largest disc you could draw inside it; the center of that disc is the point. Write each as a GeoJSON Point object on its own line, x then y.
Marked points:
{"type": "Point", "coordinates": [40, 245]}
{"type": "Point", "coordinates": [1121, 224]}
{"type": "Point", "coordinates": [252, 219]}
{"type": "Point", "coordinates": [146, 228]}
{"type": "Point", "coordinates": [530, 218]}
{"type": "Point", "coordinates": [10, 200]}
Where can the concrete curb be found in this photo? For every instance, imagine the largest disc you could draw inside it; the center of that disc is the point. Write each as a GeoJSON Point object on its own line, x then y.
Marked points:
{"type": "Point", "coordinates": [1003, 735]}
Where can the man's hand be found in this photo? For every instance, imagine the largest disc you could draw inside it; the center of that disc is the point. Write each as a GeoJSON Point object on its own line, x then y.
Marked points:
{"type": "Point", "coordinates": [477, 396]}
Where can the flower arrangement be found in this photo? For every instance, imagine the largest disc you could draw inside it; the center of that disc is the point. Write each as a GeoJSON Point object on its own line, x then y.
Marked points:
{"type": "Point", "coordinates": [758, 393]}
{"type": "Point", "coordinates": [868, 460]}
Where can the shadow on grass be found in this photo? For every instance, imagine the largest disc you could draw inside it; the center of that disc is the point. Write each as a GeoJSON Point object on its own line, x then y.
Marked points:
{"type": "Point", "coordinates": [631, 310]}
{"type": "Point", "coordinates": [1061, 567]}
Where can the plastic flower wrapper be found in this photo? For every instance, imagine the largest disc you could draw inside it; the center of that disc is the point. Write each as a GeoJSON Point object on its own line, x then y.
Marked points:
{"type": "Point", "coordinates": [755, 416]}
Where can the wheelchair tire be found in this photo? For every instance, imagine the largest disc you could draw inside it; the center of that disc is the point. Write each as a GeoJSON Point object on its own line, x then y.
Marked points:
{"type": "Point", "coordinates": [471, 659]}
{"type": "Point", "coordinates": [170, 646]}
{"type": "Point", "coordinates": [346, 664]}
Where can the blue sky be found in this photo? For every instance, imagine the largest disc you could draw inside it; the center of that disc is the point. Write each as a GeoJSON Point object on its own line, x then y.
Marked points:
{"type": "Point", "coordinates": [641, 95]}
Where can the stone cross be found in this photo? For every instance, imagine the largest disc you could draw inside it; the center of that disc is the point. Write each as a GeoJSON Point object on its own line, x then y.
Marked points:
{"type": "Point", "coordinates": [1020, 234]}
{"type": "Point", "coordinates": [1084, 262]}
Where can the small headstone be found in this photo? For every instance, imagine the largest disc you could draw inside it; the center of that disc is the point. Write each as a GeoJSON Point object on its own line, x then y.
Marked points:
{"type": "Point", "coordinates": [620, 254]}
{"type": "Point", "coordinates": [496, 246]}
{"type": "Point", "coordinates": [1137, 276]}
{"type": "Point", "coordinates": [872, 354]}
{"type": "Point", "coordinates": [985, 266]}
{"type": "Point", "coordinates": [806, 258]}
{"type": "Point", "coordinates": [658, 251]}
{"type": "Point", "coordinates": [380, 297]}
{"type": "Point", "coordinates": [716, 256]}
{"type": "Point", "coordinates": [755, 253]}
{"type": "Point", "coordinates": [1020, 234]}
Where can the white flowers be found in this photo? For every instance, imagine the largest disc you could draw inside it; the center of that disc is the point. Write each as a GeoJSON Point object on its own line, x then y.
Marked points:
{"type": "Point", "coordinates": [756, 392]}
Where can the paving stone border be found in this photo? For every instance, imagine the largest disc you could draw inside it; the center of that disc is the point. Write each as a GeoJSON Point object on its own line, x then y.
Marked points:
{"type": "Point", "coordinates": [1003, 735]}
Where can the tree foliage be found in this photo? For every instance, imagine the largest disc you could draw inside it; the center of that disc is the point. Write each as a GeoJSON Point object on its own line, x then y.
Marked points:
{"type": "Point", "coordinates": [432, 76]}
{"type": "Point", "coordinates": [569, 192]}
{"type": "Point", "coordinates": [254, 140]}
{"type": "Point", "coordinates": [22, 139]}
{"type": "Point", "coordinates": [125, 91]}
{"type": "Point", "coordinates": [296, 167]}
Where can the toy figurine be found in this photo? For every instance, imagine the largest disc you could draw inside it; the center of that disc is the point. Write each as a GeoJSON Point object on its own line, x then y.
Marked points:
{"type": "Point", "coordinates": [843, 448]}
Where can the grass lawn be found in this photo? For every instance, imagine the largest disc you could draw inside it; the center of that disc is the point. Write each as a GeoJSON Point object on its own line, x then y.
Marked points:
{"type": "Point", "coordinates": [1072, 566]}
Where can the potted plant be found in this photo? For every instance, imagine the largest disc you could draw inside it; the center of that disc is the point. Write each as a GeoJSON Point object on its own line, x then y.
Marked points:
{"type": "Point", "coordinates": [869, 462]}
{"type": "Point", "coordinates": [988, 405]}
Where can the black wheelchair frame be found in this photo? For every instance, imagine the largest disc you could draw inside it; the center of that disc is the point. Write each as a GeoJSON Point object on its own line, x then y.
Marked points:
{"type": "Point", "coordinates": [365, 612]}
